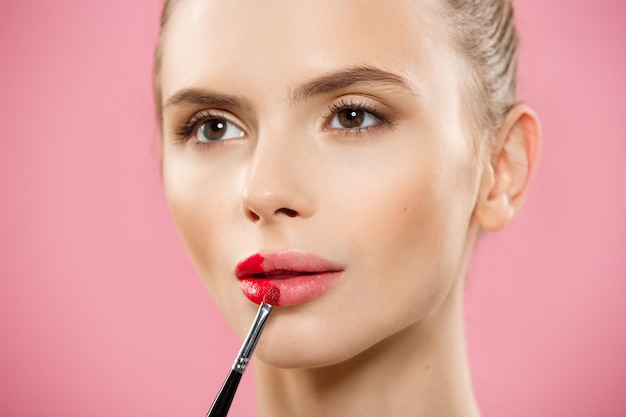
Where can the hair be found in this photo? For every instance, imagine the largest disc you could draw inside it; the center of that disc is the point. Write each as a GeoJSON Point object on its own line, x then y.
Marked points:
{"type": "Point", "coordinates": [166, 12]}
{"type": "Point", "coordinates": [483, 31]}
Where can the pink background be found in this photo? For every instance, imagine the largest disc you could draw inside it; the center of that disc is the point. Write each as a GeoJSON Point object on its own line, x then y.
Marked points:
{"type": "Point", "coordinates": [101, 314]}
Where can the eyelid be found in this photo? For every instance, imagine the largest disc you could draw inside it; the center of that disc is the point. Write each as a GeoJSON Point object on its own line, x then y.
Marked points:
{"type": "Point", "coordinates": [366, 104]}
{"type": "Point", "coordinates": [187, 130]}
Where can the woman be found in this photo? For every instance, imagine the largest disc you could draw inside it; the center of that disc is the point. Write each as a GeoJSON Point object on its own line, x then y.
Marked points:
{"type": "Point", "coordinates": [348, 153]}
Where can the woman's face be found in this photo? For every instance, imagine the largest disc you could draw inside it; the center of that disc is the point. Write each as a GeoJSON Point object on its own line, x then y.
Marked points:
{"type": "Point", "coordinates": [329, 138]}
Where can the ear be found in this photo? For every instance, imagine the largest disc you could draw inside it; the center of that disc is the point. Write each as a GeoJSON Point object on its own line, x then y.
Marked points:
{"type": "Point", "coordinates": [513, 161]}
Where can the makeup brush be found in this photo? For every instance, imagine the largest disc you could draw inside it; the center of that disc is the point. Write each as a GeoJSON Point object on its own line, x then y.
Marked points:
{"type": "Point", "coordinates": [224, 398]}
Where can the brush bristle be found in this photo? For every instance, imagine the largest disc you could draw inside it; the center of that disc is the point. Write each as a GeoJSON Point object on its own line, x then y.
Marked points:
{"type": "Point", "coordinates": [271, 296]}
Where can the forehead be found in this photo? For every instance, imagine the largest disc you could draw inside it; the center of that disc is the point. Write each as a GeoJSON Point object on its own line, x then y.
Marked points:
{"type": "Point", "coordinates": [281, 42]}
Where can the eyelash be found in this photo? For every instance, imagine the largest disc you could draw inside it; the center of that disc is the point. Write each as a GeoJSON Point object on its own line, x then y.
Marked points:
{"type": "Point", "coordinates": [349, 104]}
{"type": "Point", "coordinates": [186, 131]}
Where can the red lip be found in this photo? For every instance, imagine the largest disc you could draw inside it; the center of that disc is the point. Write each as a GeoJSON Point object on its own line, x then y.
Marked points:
{"type": "Point", "coordinates": [299, 276]}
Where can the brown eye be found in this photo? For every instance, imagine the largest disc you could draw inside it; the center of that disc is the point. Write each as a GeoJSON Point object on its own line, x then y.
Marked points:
{"type": "Point", "coordinates": [353, 119]}
{"type": "Point", "coordinates": [212, 130]}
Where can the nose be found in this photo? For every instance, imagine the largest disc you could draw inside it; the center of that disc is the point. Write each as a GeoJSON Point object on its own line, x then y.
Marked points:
{"type": "Point", "coordinates": [277, 183]}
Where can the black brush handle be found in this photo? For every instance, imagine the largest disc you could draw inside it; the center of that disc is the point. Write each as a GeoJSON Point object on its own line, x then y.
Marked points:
{"type": "Point", "coordinates": [224, 398]}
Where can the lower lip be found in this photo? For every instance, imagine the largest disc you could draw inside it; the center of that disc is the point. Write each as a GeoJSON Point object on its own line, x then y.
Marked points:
{"type": "Point", "coordinates": [293, 291]}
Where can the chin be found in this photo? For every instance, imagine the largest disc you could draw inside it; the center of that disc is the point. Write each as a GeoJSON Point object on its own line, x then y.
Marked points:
{"type": "Point", "coordinates": [304, 356]}
{"type": "Point", "coordinates": [313, 344]}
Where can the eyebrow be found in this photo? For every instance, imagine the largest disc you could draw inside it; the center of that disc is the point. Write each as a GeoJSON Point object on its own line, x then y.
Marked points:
{"type": "Point", "coordinates": [345, 78]}
{"type": "Point", "coordinates": [195, 96]}
{"type": "Point", "coordinates": [324, 84]}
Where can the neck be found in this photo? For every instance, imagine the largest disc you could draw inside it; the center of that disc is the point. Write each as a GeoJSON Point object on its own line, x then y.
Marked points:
{"type": "Point", "coordinates": [420, 371]}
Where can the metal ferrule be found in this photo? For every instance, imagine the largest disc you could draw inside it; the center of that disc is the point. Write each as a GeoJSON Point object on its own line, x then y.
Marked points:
{"type": "Point", "coordinates": [243, 357]}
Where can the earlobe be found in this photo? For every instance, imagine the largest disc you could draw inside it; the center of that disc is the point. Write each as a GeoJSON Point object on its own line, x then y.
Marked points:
{"type": "Point", "coordinates": [506, 177]}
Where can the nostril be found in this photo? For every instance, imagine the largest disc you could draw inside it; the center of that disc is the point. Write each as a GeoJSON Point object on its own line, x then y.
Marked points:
{"type": "Point", "coordinates": [253, 215]}
{"type": "Point", "coordinates": [288, 212]}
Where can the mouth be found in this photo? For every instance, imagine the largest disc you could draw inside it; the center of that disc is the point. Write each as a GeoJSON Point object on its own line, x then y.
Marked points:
{"type": "Point", "coordinates": [299, 276]}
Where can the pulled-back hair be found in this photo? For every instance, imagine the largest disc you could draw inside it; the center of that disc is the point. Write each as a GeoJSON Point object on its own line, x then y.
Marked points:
{"type": "Point", "coordinates": [484, 32]}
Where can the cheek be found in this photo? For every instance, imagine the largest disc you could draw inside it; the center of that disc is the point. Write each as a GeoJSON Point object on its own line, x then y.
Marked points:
{"type": "Point", "coordinates": [416, 233]}
{"type": "Point", "coordinates": [199, 204]}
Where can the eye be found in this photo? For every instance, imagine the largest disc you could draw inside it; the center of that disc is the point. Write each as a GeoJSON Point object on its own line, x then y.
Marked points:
{"type": "Point", "coordinates": [357, 115]}
{"type": "Point", "coordinates": [214, 129]}
{"type": "Point", "coordinates": [353, 118]}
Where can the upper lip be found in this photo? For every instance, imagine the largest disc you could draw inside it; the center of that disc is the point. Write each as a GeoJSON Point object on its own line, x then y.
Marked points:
{"type": "Point", "coordinates": [284, 265]}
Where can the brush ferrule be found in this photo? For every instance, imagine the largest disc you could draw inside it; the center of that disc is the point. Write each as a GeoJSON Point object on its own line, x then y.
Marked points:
{"type": "Point", "coordinates": [240, 365]}
{"type": "Point", "coordinates": [247, 348]}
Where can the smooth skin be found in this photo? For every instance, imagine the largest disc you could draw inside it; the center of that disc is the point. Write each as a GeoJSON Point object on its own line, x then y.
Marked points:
{"type": "Point", "coordinates": [338, 128]}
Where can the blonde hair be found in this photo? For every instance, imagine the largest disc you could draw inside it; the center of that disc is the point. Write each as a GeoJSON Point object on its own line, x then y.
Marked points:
{"type": "Point", "coordinates": [166, 12]}
{"type": "Point", "coordinates": [484, 32]}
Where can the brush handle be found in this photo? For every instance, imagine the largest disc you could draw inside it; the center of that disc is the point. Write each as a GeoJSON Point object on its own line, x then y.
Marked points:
{"type": "Point", "coordinates": [227, 392]}
{"type": "Point", "coordinates": [224, 398]}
